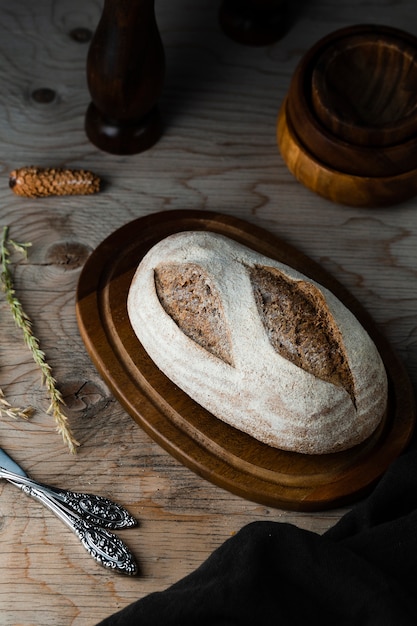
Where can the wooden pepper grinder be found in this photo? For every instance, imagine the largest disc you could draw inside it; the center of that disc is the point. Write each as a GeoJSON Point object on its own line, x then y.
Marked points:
{"type": "Point", "coordinates": [254, 22]}
{"type": "Point", "coordinates": [125, 74]}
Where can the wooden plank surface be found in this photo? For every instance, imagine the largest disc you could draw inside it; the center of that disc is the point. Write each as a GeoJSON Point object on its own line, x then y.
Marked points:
{"type": "Point", "coordinates": [218, 153]}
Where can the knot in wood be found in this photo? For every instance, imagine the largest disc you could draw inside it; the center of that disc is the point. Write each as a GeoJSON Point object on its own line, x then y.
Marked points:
{"type": "Point", "coordinates": [81, 34]}
{"type": "Point", "coordinates": [44, 95]}
{"type": "Point", "coordinates": [85, 397]}
{"type": "Point", "coordinates": [67, 254]}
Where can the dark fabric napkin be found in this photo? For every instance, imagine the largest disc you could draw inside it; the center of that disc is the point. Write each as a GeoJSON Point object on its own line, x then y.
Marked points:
{"type": "Point", "coordinates": [362, 572]}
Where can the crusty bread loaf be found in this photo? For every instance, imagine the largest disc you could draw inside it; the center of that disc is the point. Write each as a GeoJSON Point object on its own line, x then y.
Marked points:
{"type": "Point", "coordinates": [256, 343]}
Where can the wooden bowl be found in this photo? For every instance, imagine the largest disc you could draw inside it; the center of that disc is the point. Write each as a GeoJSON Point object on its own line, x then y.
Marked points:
{"type": "Point", "coordinates": [311, 113]}
{"type": "Point", "coordinates": [364, 85]}
{"type": "Point", "coordinates": [361, 191]}
{"type": "Point", "coordinates": [360, 160]}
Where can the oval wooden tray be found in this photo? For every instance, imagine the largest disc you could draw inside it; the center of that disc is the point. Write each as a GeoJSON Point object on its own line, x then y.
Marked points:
{"type": "Point", "coordinates": [214, 450]}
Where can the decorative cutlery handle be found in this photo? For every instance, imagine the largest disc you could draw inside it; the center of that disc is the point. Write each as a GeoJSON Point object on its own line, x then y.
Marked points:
{"type": "Point", "coordinates": [95, 509]}
{"type": "Point", "coordinates": [106, 548]}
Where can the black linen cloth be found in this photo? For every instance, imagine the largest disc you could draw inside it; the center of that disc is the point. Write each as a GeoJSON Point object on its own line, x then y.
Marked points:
{"type": "Point", "coordinates": [361, 572]}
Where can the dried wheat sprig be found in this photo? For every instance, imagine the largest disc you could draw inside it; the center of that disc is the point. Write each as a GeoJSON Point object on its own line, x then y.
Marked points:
{"type": "Point", "coordinates": [23, 322]}
{"type": "Point", "coordinates": [14, 411]}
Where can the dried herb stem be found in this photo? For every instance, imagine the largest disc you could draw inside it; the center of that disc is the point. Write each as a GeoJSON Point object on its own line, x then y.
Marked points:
{"type": "Point", "coordinates": [23, 322]}
{"type": "Point", "coordinates": [13, 411]}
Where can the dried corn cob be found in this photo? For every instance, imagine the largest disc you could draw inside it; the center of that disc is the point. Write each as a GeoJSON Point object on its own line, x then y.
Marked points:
{"type": "Point", "coordinates": [38, 182]}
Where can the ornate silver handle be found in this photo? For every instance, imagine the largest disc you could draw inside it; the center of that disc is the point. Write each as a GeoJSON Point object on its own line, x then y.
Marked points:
{"type": "Point", "coordinates": [95, 509]}
{"type": "Point", "coordinates": [106, 548]}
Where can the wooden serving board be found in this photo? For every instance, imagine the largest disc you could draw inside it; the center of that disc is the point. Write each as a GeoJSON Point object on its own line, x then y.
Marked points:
{"type": "Point", "coordinates": [225, 456]}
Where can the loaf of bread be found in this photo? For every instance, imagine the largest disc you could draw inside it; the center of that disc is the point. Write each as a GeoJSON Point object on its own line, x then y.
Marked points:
{"type": "Point", "coordinates": [257, 344]}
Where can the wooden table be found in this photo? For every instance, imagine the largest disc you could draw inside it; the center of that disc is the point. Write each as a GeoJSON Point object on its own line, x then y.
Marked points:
{"type": "Point", "coordinates": [218, 152]}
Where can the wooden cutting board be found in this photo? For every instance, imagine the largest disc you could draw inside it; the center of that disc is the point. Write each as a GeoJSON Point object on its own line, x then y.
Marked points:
{"type": "Point", "coordinates": [227, 457]}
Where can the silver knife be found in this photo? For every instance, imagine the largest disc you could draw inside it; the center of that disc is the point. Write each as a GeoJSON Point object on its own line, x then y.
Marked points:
{"type": "Point", "coordinates": [87, 515]}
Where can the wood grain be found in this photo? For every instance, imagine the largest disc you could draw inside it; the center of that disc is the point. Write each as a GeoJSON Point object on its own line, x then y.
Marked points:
{"type": "Point", "coordinates": [218, 153]}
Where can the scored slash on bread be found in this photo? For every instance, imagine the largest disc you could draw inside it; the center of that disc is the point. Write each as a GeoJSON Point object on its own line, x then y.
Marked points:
{"type": "Point", "coordinates": [190, 298]}
{"type": "Point", "coordinates": [301, 327]}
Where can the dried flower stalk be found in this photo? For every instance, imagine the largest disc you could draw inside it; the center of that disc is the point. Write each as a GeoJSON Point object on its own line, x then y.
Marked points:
{"type": "Point", "coordinates": [23, 322]}
{"type": "Point", "coordinates": [13, 411]}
